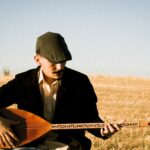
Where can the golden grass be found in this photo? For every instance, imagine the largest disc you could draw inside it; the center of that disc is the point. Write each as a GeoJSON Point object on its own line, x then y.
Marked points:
{"type": "Point", "coordinates": [4, 79]}
{"type": "Point", "coordinates": [121, 98]}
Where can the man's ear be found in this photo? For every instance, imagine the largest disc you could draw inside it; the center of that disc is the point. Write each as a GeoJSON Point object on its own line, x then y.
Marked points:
{"type": "Point", "coordinates": [37, 60]}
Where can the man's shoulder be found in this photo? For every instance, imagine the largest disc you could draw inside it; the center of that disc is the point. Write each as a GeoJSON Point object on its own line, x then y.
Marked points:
{"type": "Point", "coordinates": [27, 72]}
{"type": "Point", "coordinates": [71, 75]}
{"type": "Point", "coordinates": [28, 75]}
{"type": "Point", "coordinates": [70, 72]}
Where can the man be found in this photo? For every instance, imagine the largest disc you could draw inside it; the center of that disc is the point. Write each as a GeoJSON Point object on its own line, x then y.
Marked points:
{"type": "Point", "coordinates": [56, 93]}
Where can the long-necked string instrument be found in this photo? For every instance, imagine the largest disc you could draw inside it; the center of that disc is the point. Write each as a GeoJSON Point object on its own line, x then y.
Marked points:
{"type": "Point", "coordinates": [32, 127]}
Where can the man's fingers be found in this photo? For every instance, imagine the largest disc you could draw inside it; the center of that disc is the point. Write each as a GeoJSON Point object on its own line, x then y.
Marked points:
{"type": "Point", "coordinates": [111, 128]}
{"type": "Point", "coordinates": [7, 141]}
{"type": "Point", "coordinates": [105, 131]}
{"type": "Point", "coordinates": [117, 126]}
{"type": "Point", "coordinates": [102, 131]}
{"type": "Point", "coordinates": [1, 142]}
{"type": "Point", "coordinates": [13, 136]}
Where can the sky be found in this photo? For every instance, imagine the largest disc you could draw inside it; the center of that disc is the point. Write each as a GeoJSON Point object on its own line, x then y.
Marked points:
{"type": "Point", "coordinates": [105, 37]}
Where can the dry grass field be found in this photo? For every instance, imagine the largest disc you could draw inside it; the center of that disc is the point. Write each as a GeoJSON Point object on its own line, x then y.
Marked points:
{"type": "Point", "coordinates": [121, 98]}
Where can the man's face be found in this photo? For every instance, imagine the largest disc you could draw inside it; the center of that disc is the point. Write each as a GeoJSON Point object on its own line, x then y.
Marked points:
{"type": "Point", "coordinates": [50, 70]}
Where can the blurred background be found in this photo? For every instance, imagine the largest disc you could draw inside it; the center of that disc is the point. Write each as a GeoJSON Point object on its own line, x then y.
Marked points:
{"type": "Point", "coordinates": [105, 37]}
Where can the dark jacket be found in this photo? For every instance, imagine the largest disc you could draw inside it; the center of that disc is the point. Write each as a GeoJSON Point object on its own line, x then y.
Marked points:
{"type": "Point", "coordinates": [75, 103]}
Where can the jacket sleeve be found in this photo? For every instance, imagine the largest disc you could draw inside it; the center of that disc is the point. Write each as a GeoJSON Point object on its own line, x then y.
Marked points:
{"type": "Point", "coordinates": [8, 93]}
{"type": "Point", "coordinates": [87, 94]}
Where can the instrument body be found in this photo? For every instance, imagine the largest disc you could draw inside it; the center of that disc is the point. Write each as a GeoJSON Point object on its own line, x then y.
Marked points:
{"type": "Point", "coordinates": [31, 126]}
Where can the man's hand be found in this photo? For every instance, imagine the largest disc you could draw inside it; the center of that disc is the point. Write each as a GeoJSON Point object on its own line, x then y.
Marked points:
{"type": "Point", "coordinates": [7, 137]}
{"type": "Point", "coordinates": [110, 129]}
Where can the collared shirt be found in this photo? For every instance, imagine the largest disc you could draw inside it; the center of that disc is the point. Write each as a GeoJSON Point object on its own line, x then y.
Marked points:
{"type": "Point", "coordinates": [48, 93]}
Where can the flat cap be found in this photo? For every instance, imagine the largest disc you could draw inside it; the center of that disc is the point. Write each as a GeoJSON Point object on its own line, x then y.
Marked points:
{"type": "Point", "coordinates": [53, 47]}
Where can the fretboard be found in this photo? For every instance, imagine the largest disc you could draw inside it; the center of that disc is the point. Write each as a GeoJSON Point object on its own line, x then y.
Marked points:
{"type": "Point", "coordinates": [98, 125]}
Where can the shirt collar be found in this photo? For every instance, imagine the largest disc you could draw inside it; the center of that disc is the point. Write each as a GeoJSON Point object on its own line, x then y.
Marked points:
{"type": "Point", "coordinates": [41, 77]}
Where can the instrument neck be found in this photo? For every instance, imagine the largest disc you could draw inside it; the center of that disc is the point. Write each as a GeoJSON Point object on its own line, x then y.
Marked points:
{"type": "Point", "coordinates": [97, 125]}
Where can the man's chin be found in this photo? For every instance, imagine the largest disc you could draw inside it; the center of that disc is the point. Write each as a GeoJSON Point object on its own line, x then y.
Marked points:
{"type": "Point", "coordinates": [58, 77]}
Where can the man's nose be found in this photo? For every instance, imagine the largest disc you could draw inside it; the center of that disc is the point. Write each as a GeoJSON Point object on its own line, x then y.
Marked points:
{"type": "Point", "coordinates": [59, 66]}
